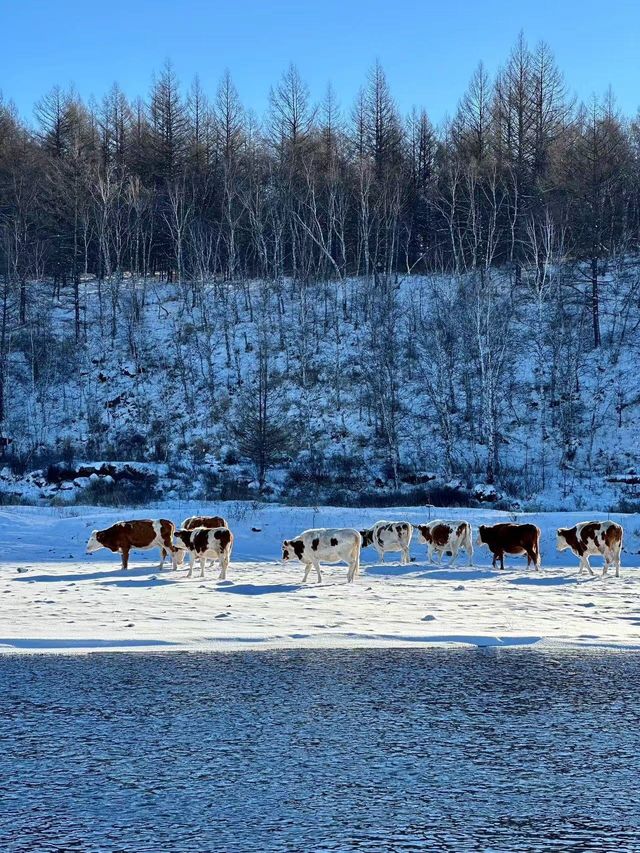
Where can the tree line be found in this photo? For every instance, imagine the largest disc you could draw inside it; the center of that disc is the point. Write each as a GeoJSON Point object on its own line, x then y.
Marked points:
{"type": "Point", "coordinates": [194, 187]}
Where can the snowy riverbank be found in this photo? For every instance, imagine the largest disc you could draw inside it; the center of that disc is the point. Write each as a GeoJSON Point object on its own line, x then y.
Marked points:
{"type": "Point", "coordinates": [54, 598]}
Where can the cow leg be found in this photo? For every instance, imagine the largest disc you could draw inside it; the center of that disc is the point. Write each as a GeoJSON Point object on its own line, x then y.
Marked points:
{"type": "Point", "coordinates": [380, 554]}
{"type": "Point", "coordinates": [430, 553]}
{"type": "Point", "coordinates": [203, 561]}
{"type": "Point", "coordinates": [454, 555]}
{"type": "Point", "coordinates": [192, 561]}
{"type": "Point", "coordinates": [125, 558]}
{"type": "Point", "coordinates": [307, 569]}
{"type": "Point", "coordinates": [406, 559]}
{"type": "Point", "coordinates": [584, 563]}
{"type": "Point", "coordinates": [163, 554]}
{"type": "Point", "coordinates": [316, 566]}
{"type": "Point", "coordinates": [224, 562]}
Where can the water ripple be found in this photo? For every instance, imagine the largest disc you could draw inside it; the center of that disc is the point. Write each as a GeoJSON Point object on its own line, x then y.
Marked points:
{"type": "Point", "coordinates": [390, 750]}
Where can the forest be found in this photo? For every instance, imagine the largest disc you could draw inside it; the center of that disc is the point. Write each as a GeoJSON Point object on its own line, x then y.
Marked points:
{"type": "Point", "coordinates": [328, 297]}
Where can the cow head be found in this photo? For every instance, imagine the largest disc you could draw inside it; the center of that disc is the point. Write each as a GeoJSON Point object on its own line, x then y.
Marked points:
{"type": "Point", "coordinates": [367, 537]}
{"type": "Point", "coordinates": [292, 548]}
{"type": "Point", "coordinates": [480, 538]}
{"type": "Point", "coordinates": [561, 539]}
{"type": "Point", "coordinates": [423, 532]}
{"type": "Point", "coordinates": [183, 540]}
{"type": "Point", "coordinates": [94, 543]}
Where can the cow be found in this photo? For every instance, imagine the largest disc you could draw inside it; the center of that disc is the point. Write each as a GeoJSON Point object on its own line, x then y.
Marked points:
{"type": "Point", "coordinates": [389, 536]}
{"type": "Point", "coordinates": [203, 521]}
{"type": "Point", "coordinates": [194, 521]}
{"type": "Point", "coordinates": [326, 545]}
{"type": "Point", "coordinates": [141, 534]}
{"type": "Point", "coordinates": [511, 538]}
{"type": "Point", "coordinates": [593, 538]}
{"type": "Point", "coordinates": [446, 537]}
{"type": "Point", "coordinates": [202, 542]}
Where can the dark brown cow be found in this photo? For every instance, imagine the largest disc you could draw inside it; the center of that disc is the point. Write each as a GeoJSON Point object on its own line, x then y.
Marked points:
{"type": "Point", "coordinates": [141, 534]}
{"type": "Point", "coordinates": [593, 538]}
{"type": "Point", "coordinates": [203, 542]}
{"type": "Point", "coordinates": [511, 538]}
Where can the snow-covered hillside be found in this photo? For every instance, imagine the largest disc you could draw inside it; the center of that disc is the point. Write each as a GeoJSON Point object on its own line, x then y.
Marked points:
{"type": "Point", "coordinates": [56, 598]}
{"type": "Point", "coordinates": [363, 406]}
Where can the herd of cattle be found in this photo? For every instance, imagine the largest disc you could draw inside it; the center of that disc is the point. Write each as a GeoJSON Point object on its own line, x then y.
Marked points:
{"type": "Point", "coordinates": [209, 538]}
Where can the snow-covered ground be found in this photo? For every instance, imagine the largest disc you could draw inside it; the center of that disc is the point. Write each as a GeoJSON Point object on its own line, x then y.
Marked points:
{"type": "Point", "coordinates": [55, 598]}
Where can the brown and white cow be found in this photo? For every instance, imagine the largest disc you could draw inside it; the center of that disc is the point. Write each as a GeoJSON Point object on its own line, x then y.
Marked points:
{"type": "Point", "coordinates": [141, 534]}
{"type": "Point", "coordinates": [508, 538]}
{"type": "Point", "coordinates": [593, 538]}
{"type": "Point", "coordinates": [202, 542]}
{"type": "Point", "coordinates": [446, 537]}
{"type": "Point", "coordinates": [203, 521]}
{"type": "Point", "coordinates": [326, 545]}
{"type": "Point", "coordinates": [389, 536]}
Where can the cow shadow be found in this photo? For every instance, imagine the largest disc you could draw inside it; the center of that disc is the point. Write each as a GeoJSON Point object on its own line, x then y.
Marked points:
{"type": "Point", "coordinates": [258, 589]}
{"type": "Point", "coordinates": [426, 571]}
{"type": "Point", "coordinates": [66, 577]}
{"type": "Point", "coordinates": [137, 583]}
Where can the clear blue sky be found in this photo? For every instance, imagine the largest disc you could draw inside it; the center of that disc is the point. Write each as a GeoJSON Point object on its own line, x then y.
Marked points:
{"type": "Point", "coordinates": [428, 49]}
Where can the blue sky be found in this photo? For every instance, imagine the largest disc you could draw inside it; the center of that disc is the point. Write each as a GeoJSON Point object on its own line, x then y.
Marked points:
{"type": "Point", "coordinates": [428, 49]}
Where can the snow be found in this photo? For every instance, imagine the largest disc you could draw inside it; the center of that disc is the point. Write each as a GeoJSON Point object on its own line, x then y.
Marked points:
{"type": "Point", "coordinates": [55, 598]}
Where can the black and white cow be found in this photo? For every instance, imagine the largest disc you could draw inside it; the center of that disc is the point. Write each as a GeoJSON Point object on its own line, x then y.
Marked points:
{"type": "Point", "coordinates": [446, 537]}
{"type": "Point", "coordinates": [389, 536]}
{"type": "Point", "coordinates": [206, 542]}
{"type": "Point", "coordinates": [325, 545]}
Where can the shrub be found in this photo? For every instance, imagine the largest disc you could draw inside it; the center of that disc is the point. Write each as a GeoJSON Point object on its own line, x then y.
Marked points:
{"type": "Point", "coordinates": [121, 493]}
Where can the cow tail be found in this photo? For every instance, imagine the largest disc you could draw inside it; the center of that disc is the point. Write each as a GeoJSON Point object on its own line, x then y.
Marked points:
{"type": "Point", "coordinates": [169, 548]}
{"type": "Point", "coordinates": [538, 556]}
{"type": "Point", "coordinates": [230, 546]}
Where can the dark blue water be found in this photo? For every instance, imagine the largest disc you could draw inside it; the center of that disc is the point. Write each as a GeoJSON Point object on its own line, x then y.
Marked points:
{"type": "Point", "coordinates": [320, 751]}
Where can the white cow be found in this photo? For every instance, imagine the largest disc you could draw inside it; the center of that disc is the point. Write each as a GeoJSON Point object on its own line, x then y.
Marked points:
{"type": "Point", "coordinates": [389, 536]}
{"type": "Point", "coordinates": [202, 542]}
{"type": "Point", "coordinates": [446, 537]}
{"type": "Point", "coordinates": [325, 545]}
